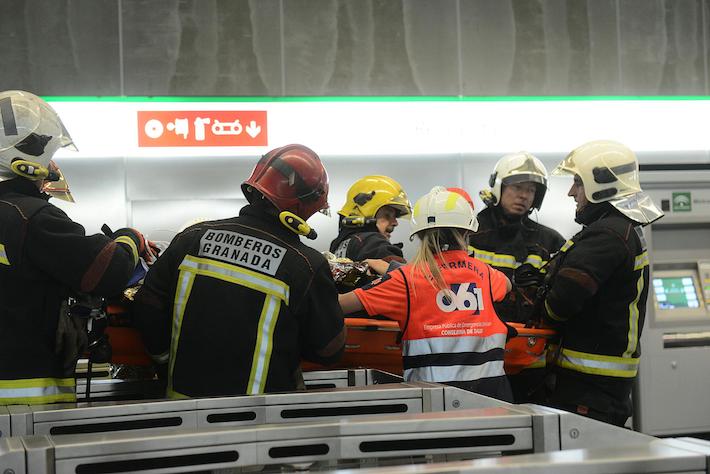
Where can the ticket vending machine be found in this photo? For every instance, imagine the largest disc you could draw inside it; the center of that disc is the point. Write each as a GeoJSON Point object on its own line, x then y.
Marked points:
{"type": "Point", "coordinates": [672, 394]}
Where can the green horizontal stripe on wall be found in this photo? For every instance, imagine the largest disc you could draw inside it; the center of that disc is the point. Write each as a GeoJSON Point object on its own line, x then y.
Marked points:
{"type": "Point", "coordinates": [371, 99]}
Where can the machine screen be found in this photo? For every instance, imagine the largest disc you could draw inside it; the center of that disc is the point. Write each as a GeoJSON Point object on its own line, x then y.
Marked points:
{"type": "Point", "coordinates": [676, 292]}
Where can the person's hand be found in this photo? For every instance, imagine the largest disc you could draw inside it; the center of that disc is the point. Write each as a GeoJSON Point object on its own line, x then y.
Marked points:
{"type": "Point", "coordinates": [147, 250]}
{"type": "Point", "coordinates": [377, 265]}
{"type": "Point", "coordinates": [154, 250]}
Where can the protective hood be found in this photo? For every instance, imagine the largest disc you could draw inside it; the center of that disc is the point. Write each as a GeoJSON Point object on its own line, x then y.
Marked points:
{"type": "Point", "coordinates": [638, 207]}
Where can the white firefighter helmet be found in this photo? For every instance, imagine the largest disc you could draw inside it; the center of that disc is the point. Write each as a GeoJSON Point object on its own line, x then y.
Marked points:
{"type": "Point", "coordinates": [609, 171]}
{"type": "Point", "coordinates": [521, 167]}
{"type": "Point", "coordinates": [443, 208]}
{"type": "Point", "coordinates": [30, 133]}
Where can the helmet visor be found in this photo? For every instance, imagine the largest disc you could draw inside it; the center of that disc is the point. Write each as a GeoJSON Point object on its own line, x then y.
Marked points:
{"type": "Point", "coordinates": [401, 205]}
{"type": "Point", "coordinates": [524, 178]}
{"type": "Point", "coordinates": [52, 123]}
{"type": "Point", "coordinates": [566, 167]}
{"type": "Point", "coordinates": [58, 188]}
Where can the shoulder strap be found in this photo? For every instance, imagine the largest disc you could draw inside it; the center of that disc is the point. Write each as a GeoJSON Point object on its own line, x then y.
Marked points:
{"type": "Point", "coordinates": [406, 320]}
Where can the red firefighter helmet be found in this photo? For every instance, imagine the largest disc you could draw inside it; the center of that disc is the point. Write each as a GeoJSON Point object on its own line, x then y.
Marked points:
{"type": "Point", "coordinates": [293, 178]}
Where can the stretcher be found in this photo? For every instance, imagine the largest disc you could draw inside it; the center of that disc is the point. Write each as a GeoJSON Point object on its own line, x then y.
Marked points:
{"type": "Point", "coordinates": [373, 343]}
{"type": "Point", "coordinates": [370, 343]}
{"type": "Point", "coordinates": [527, 349]}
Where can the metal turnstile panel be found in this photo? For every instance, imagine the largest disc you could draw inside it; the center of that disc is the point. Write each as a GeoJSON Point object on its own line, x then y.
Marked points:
{"type": "Point", "coordinates": [335, 411]}
{"type": "Point", "coordinates": [81, 411]}
{"type": "Point", "coordinates": [39, 454]}
{"type": "Point", "coordinates": [149, 423]}
{"type": "Point", "coordinates": [437, 442]}
{"type": "Point", "coordinates": [298, 450]}
{"type": "Point", "coordinates": [236, 416]}
{"type": "Point", "coordinates": [327, 379]}
{"type": "Point", "coordinates": [370, 392]}
{"type": "Point", "coordinates": [164, 460]}
{"type": "Point", "coordinates": [20, 420]}
{"type": "Point", "coordinates": [91, 446]}
{"type": "Point", "coordinates": [463, 420]}
{"type": "Point", "coordinates": [109, 417]}
{"type": "Point", "coordinates": [5, 422]}
{"type": "Point", "coordinates": [12, 456]}
{"type": "Point", "coordinates": [459, 399]}
{"type": "Point", "coordinates": [654, 458]}
{"type": "Point", "coordinates": [578, 432]}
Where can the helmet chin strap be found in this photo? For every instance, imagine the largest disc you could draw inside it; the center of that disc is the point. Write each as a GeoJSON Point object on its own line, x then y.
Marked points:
{"type": "Point", "coordinates": [33, 171]}
{"type": "Point", "coordinates": [297, 225]}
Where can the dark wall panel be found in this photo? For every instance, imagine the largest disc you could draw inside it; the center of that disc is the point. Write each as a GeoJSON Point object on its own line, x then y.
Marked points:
{"type": "Point", "coordinates": [355, 47]}
{"type": "Point", "coordinates": [60, 47]}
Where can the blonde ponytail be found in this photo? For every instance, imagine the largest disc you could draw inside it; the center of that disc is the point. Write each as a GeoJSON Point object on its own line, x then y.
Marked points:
{"type": "Point", "coordinates": [432, 241]}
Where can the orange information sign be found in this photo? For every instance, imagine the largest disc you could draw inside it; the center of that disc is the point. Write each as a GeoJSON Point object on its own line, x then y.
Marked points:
{"type": "Point", "coordinates": [169, 128]}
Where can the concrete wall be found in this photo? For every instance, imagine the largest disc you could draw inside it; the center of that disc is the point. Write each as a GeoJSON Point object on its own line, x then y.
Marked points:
{"type": "Point", "coordinates": [354, 47]}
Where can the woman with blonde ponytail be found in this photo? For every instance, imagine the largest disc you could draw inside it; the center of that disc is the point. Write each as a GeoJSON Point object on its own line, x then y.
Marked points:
{"type": "Point", "coordinates": [443, 302]}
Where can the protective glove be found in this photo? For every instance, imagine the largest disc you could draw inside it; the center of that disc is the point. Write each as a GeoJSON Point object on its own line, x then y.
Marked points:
{"type": "Point", "coordinates": [71, 340]}
{"type": "Point", "coordinates": [146, 249]}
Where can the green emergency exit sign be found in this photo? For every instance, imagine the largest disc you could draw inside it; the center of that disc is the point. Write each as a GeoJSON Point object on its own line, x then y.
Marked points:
{"type": "Point", "coordinates": [682, 202]}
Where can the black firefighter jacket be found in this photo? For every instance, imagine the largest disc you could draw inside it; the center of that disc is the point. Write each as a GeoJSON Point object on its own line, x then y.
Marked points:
{"type": "Point", "coordinates": [44, 258]}
{"type": "Point", "coordinates": [233, 305]}
{"type": "Point", "coordinates": [598, 299]}
{"type": "Point", "coordinates": [360, 243]}
{"type": "Point", "coordinates": [505, 245]}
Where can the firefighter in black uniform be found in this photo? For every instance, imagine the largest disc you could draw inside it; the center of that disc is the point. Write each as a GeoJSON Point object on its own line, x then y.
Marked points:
{"type": "Point", "coordinates": [508, 238]}
{"type": "Point", "coordinates": [367, 219]}
{"type": "Point", "coordinates": [233, 305]}
{"type": "Point", "coordinates": [599, 283]}
{"type": "Point", "coordinates": [45, 258]}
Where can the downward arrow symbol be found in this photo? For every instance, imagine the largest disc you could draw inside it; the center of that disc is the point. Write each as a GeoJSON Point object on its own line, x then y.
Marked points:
{"type": "Point", "coordinates": [253, 129]}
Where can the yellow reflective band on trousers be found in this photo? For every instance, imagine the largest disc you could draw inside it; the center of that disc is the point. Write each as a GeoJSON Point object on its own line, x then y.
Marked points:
{"type": "Point", "coordinates": [37, 391]}
{"type": "Point", "coordinates": [501, 260]}
{"type": "Point", "coordinates": [275, 292]}
{"type": "Point", "coordinates": [3, 256]}
{"type": "Point", "coordinates": [124, 239]}
{"type": "Point", "coordinates": [596, 364]}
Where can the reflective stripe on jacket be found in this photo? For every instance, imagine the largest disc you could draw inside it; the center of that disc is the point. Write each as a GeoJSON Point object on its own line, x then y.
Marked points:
{"type": "Point", "coordinates": [451, 334]}
{"type": "Point", "coordinates": [236, 304]}
{"type": "Point", "coordinates": [506, 246]}
{"type": "Point", "coordinates": [45, 257]}
{"type": "Point", "coordinates": [599, 297]}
